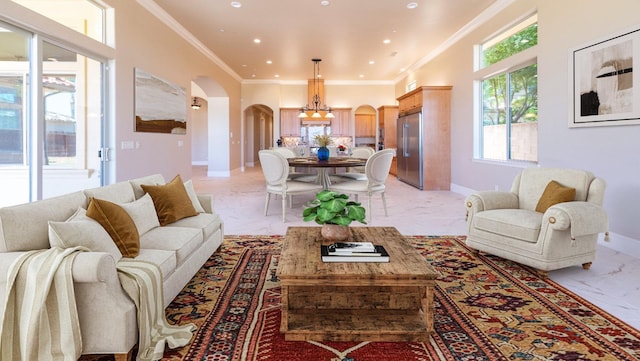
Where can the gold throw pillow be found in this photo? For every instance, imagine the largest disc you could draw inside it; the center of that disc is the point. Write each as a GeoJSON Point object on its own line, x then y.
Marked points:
{"type": "Point", "coordinates": [171, 200]}
{"type": "Point", "coordinates": [555, 193]}
{"type": "Point", "coordinates": [118, 223]}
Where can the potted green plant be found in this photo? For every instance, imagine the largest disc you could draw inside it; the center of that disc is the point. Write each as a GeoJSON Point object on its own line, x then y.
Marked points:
{"type": "Point", "coordinates": [334, 212]}
{"type": "Point", "coordinates": [323, 140]}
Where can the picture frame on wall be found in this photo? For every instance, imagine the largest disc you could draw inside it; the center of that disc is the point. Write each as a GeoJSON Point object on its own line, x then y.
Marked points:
{"type": "Point", "coordinates": [160, 106]}
{"type": "Point", "coordinates": [605, 88]}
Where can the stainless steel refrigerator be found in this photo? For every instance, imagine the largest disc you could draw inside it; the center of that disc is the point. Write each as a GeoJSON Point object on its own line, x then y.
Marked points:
{"type": "Point", "coordinates": [409, 151]}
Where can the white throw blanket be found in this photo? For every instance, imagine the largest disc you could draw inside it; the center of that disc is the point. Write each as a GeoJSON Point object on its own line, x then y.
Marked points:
{"type": "Point", "coordinates": [40, 319]}
{"type": "Point", "coordinates": [143, 283]}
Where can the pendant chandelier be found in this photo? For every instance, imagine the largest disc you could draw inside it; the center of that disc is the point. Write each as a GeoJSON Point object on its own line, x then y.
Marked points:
{"type": "Point", "coordinates": [316, 108]}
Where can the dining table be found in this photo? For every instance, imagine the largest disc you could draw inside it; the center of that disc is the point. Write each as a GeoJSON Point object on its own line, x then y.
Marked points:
{"type": "Point", "coordinates": [323, 166]}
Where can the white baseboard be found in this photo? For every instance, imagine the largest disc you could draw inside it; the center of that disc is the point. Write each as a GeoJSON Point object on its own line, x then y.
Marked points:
{"type": "Point", "coordinates": [222, 173]}
{"type": "Point", "coordinates": [461, 190]}
{"type": "Point", "coordinates": [199, 162]}
{"type": "Point", "coordinates": [622, 244]}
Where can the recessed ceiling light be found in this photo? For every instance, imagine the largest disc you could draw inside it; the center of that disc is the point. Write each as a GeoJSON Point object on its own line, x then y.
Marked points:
{"type": "Point", "coordinates": [386, 41]}
{"type": "Point", "coordinates": [236, 4]}
{"type": "Point", "coordinates": [244, 65]}
{"type": "Point", "coordinates": [402, 69]}
{"type": "Point", "coordinates": [221, 30]}
{"type": "Point", "coordinates": [324, 3]}
{"type": "Point", "coordinates": [277, 76]}
{"type": "Point", "coordinates": [269, 62]}
{"type": "Point", "coordinates": [257, 41]}
{"type": "Point", "coordinates": [412, 5]}
{"type": "Point", "coordinates": [371, 62]}
{"type": "Point", "coordinates": [362, 75]}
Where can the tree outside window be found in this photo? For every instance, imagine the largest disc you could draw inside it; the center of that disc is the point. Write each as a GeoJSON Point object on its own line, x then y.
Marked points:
{"type": "Point", "coordinates": [510, 99]}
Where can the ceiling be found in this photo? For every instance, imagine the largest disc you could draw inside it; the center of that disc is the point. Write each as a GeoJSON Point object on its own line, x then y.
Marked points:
{"type": "Point", "coordinates": [348, 35]}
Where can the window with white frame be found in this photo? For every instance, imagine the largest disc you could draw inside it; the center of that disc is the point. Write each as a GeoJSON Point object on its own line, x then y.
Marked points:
{"type": "Point", "coordinates": [52, 106]}
{"type": "Point", "coordinates": [84, 16]}
{"type": "Point", "coordinates": [507, 86]}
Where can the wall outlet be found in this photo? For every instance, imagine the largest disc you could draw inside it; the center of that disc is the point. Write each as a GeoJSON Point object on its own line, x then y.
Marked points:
{"type": "Point", "coordinates": [127, 144]}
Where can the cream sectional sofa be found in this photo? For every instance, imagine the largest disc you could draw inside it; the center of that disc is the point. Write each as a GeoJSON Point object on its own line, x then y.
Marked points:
{"type": "Point", "coordinates": [107, 316]}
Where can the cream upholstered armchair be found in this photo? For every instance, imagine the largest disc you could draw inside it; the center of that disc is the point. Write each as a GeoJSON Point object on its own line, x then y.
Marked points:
{"type": "Point", "coordinates": [542, 224]}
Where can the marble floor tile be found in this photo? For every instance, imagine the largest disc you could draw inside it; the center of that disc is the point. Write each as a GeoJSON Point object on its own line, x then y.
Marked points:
{"type": "Point", "coordinates": [612, 283]}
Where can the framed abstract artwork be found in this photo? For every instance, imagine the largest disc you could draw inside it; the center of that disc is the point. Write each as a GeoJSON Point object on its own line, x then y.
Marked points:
{"type": "Point", "coordinates": [160, 106]}
{"type": "Point", "coordinates": [605, 88]}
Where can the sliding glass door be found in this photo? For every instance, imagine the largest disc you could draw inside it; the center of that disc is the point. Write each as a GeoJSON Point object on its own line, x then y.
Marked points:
{"type": "Point", "coordinates": [51, 118]}
{"type": "Point", "coordinates": [14, 65]}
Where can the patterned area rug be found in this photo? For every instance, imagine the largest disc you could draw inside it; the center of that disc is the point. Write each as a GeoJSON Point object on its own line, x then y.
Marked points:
{"type": "Point", "coordinates": [486, 308]}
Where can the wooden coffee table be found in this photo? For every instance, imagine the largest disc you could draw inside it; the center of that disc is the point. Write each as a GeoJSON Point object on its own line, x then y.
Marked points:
{"type": "Point", "coordinates": [355, 301]}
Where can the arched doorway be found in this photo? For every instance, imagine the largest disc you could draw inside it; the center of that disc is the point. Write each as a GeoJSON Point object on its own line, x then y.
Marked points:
{"type": "Point", "coordinates": [366, 127]}
{"type": "Point", "coordinates": [258, 132]}
{"type": "Point", "coordinates": [217, 124]}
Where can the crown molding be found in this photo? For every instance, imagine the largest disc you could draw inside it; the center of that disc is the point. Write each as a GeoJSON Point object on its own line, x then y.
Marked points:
{"type": "Point", "coordinates": [482, 18]}
{"type": "Point", "coordinates": [168, 20]}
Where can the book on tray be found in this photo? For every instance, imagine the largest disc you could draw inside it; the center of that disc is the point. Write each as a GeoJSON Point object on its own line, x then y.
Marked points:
{"type": "Point", "coordinates": [370, 253]}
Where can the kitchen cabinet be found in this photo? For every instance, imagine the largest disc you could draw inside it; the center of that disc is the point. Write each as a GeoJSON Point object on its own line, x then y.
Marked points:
{"type": "Point", "coordinates": [435, 109]}
{"type": "Point", "coordinates": [289, 122]}
{"type": "Point", "coordinates": [387, 117]}
{"type": "Point", "coordinates": [341, 123]}
{"type": "Point", "coordinates": [366, 125]}
{"type": "Point", "coordinates": [411, 101]}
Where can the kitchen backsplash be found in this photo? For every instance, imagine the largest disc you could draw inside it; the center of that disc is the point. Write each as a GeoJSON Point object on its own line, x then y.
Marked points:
{"type": "Point", "coordinates": [292, 142]}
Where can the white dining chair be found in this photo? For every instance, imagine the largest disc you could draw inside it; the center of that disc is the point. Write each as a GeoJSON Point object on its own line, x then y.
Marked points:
{"type": "Point", "coordinates": [357, 173]}
{"type": "Point", "coordinates": [276, 171]}
{"type": "Point", "coordinates": [293, 175]}
{"type": "Point", "coordinates": [377, 171]}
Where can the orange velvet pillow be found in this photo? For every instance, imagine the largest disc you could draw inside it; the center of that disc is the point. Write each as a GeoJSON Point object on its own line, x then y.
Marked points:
{"type": "Point", "coordinates": [171, 200]}
{"type": "Point", "coordinates": [555, 193]}
{"type": "Point", "coordinates": [118, 223]}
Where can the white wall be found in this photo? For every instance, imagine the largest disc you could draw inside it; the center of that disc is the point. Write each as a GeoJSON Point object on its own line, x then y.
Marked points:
{"type": "Point", "coordinates": [199, 133]}
{"type": "Point", "coordinates": [145, 42]}
{"type": "Point", "coordinates": [608, 152]}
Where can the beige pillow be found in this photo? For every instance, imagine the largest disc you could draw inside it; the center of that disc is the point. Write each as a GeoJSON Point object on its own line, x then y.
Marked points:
{"type": "Point", "coordinates": [155, 179]}
{"type": "Point", "coordinates": [188, 185]}
{"type": "Point", "coordinates": [118, 223]}
{"type": "Point", "coordinates": [171, 201]}
{"type": "Point", "coordinates": [555, 193]}
{"type": "Point", "coordinates": [143, 213]}
{"type": "Point", "coordinates": [80, 230]}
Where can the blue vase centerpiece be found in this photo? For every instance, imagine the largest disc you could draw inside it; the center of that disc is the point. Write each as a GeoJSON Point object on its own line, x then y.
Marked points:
{"type": "Point", "coordinates": [323, 153]}
{"type": "Point", "coordinates": [322, 140]}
